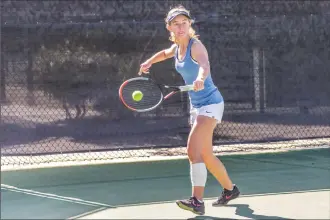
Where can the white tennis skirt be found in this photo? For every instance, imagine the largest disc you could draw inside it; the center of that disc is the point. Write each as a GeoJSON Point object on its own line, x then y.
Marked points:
{"type": "Point", "coordinates": [213, 111]}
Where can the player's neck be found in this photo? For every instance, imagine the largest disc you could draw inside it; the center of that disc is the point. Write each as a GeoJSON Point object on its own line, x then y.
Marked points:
{"type": "Point", "coordinates": [183, 43]}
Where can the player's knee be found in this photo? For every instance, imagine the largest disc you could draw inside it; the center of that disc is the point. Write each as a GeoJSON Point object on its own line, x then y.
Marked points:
{"type": "Point", "coordinates": [194, 154]}
{"type": "Point", "coordinates": [207, 155]}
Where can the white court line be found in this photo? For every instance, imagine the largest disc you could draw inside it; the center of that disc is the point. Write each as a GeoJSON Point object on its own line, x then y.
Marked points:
{"type": "Point", "coordinates": [87, 213]}
{"type": "Point", "coordinates": [241, 196]}
{"type": "Point", "coordinates": [206, 199]}
{"type": "Point", "coordinates": [53, 196]}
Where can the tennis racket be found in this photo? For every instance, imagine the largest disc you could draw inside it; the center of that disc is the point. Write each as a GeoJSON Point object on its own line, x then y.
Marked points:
{"type": "Point", "coordinates": [153, 93]}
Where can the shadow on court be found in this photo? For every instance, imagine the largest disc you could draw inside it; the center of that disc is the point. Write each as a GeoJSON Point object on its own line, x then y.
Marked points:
{"type": "Point", "coordinates": [64, 192]}
{"type": "Point", "coordinates": [209, 218]}
{"type": "Point", "coordinates": [245, 211]}
{"type": "Point", "coordinates": [242, 210]}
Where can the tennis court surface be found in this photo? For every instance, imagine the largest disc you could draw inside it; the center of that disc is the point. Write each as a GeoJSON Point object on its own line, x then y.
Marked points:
{"type": "Point", "coordinates": [286, 185]}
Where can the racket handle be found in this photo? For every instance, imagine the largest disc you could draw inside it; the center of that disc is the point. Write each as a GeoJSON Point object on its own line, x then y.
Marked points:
{"type": "Point", "coordinates": [140, 73]}
{"type": "Point", "coordinates": [186, 88]}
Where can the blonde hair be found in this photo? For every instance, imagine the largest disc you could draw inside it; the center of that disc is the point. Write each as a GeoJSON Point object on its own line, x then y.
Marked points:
{"type": "Point", "coordinates": [192, 32]}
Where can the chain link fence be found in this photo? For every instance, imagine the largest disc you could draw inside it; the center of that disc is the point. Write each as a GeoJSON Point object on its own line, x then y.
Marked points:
{"type": "Point", "coordinates": [62, 64]}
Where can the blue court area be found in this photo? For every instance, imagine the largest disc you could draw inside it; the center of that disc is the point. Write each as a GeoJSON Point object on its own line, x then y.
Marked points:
{"type": "Point", "coordinates": [113, 190]}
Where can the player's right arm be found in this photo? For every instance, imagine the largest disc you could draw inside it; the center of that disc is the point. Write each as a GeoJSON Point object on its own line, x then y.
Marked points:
{"type": "Point", "coordinates": [157, 57]}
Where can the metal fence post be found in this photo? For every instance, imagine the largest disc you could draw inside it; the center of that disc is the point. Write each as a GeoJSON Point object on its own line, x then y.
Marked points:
{"type": "Point", "coordinates": [1, 82]}
{"type": "Point", "coordinates": [1, 88]}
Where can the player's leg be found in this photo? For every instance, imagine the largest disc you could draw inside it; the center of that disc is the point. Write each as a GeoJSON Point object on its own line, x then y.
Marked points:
{"type": "Point", "coordinates": [213, 164]}
{"type": "Point", "coordinates": [218, 170]}
{"type": "Point", "coordinates": [200, 131]}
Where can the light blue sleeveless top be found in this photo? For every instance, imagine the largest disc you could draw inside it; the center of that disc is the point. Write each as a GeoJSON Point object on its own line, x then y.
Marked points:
{"type": "Point", "coordinates": [188, 69]}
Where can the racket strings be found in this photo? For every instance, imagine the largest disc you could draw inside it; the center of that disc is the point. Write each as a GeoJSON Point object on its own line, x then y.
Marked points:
{"type": "Point", "coordinates": [152, 95]}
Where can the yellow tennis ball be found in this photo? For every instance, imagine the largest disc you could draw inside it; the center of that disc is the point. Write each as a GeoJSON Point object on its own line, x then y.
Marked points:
{"type": "Point", "coordinates": [137, 95]}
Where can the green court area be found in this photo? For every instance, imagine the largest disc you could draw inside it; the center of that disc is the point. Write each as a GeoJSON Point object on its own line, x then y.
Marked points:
{"type": "Point", "coordinates": [287, 185]}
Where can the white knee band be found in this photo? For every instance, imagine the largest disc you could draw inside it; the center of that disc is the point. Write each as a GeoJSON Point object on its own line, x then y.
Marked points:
{"type": "Point", "coordinates": [198, 174]}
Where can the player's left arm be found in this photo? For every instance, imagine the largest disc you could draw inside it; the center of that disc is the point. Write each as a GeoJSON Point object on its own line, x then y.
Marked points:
{"type": "Point", "coordinates": [200, 55]}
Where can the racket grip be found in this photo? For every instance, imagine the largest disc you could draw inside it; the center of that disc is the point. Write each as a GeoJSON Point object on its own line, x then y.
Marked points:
{"type": "Point", "coordinates": [140, 73]}
{"type": "Point", "coordinates": [186, 88]}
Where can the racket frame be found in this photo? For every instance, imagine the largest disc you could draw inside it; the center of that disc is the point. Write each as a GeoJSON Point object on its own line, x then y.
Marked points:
{"type": "Point", "coordinates": [175, 89]}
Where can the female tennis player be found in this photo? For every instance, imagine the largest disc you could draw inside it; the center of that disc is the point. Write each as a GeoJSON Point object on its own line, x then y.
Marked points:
{"type": "Point", "coordinates": [207, 106]}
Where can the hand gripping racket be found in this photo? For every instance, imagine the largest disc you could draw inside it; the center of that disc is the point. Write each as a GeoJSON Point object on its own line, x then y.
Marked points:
{"type": "Point", "coordinates": [152, 93]}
